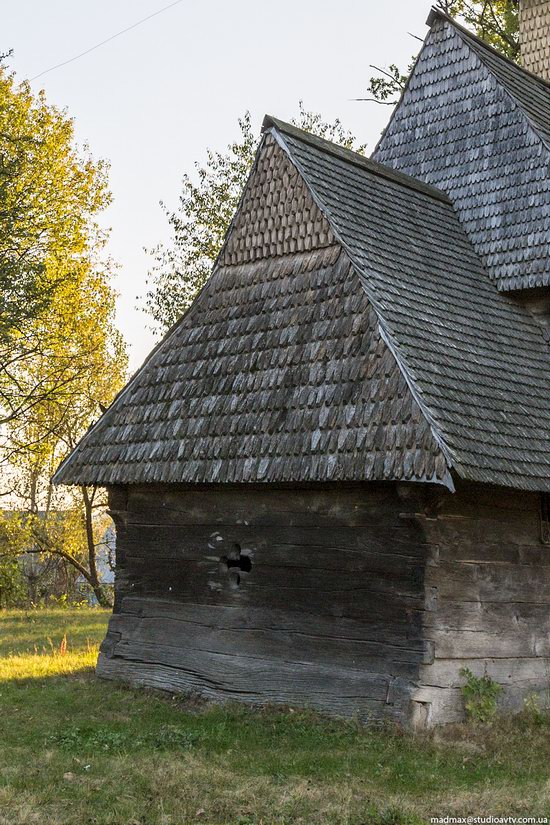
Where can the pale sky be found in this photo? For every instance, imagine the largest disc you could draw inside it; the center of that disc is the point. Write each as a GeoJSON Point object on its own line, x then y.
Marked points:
{"type": "Point", "coordinates": [152, 100]}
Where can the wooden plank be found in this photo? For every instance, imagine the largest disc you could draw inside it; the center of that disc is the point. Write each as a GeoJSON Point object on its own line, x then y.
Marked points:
{"type": "Point", "coordinates": [503, 552]}
{"type": "Point", "coordinates": [491, 586]}
{"type": "Point", "coordinates": [463, 644]}
{"type": "Point", "coordinates": [290, 639]}
{"type": "Point", "coordinates": [342, 585]}
{"type": "Point", "coordinates": [475, 531]}
{"type": "Point", "coordinates": [493, 617]}
{"type": "Point", "coordinates": [345, 692]}
{"type": "Point", "coordinates": [529, 673]}
{"type": "Point", "coordinates": [472, 500]}
{"type": "Point", "coordinates": [400, 635]}
{"type": "Point", "coordinates": [171, 539]}
{"type": "Point", "coordinates": [279, 570]}
{"type": "Point", "coordinates": [444, 705]}
{"type": "Point", "coordinates": [493, 583]}
{"type": "Point", "coordinates": [385, 557]}
{"type": "Point", "coordinates": [368, 605]}
{"type": "Point", "coordinates": [375, 505]}
{"type": "Point", "coordinates": [178, 644]}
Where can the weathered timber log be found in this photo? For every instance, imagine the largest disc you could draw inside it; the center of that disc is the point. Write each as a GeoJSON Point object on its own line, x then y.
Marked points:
{"type": "Point", "coordinates": [354, 599]}
{"type": "Point", "coordinates": [301, 596]}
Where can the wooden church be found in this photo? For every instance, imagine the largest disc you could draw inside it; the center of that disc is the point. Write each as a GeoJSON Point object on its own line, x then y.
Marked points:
{"type": "Point", "coordinates": [331, 480]}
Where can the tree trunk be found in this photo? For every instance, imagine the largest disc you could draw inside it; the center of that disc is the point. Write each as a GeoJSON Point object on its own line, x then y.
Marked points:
{"type": "Point", "coordinates": [93, 579]}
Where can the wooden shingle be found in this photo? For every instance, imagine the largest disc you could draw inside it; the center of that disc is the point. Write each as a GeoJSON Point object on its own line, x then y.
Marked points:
{"type": "Point", "coordinates": [481, 127]}
{"type": "Point", "coordinates": [385, 353]}
{"type": "Point", "coordinates": [535, 36]}
{"type": "Point", "coordinates": [278, 372]}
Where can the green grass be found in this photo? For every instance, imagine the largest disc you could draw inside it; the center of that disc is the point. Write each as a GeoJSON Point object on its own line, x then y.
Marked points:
{"type": "Point", "coordinates": [76, 751]}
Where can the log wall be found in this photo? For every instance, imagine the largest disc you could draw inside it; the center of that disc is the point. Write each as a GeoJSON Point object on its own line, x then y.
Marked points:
{"type": "Point", "coordinates": [361, 600]}
{"type": "Point", "coordinates": [307, 597]}
{"type": "Point", "coordinates": [488, 578]}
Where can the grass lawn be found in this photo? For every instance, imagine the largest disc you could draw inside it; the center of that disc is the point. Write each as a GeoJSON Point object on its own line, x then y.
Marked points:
{"type": "Point", "coordinates": [76, 751]}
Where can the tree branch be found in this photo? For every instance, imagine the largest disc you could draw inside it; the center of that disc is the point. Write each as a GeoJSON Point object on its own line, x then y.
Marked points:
{"type": "Point", "coordinates": [54, 551]}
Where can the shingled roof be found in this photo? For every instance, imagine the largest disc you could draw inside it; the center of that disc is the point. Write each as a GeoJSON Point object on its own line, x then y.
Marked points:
{"type": "Point", "coordinates": [529, 91]}
{"type": "Point", "coordinates": [277, 373]}
{"type": "Point", "coordinates": [383, 353]}
{"type": "Point", "coordinates": [477, 126]}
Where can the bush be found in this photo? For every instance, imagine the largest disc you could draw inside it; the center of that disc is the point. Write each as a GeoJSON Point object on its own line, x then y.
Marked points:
{"type": "Point", "coordinates": [13, 587]}
{"type": "Point", "coordinates": [480, 696]}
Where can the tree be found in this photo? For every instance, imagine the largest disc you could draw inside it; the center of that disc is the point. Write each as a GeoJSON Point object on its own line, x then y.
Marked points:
{"type": "Point", "coordinates": [205, 210]}
{"type": "Point", "coordinates": [495, 21]}
{"type": "Point", "coordinates": [82, 340]}
{"type": "Point", "coordinates": [61, 358]}
{"type": "Point", "coordinates": [50, 194]}
{"type": "Point", "coordinates": [72, 536]}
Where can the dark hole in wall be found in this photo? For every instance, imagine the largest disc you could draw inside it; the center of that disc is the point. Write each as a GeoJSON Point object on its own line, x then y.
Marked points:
{"type": "Point", "coordinates": [236, 563]}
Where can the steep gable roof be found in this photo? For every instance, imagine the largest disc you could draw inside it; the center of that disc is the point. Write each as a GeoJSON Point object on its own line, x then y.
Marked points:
{"type": "Point", "coordinates": [530, 92]}
{"type": "Point", "coordinates": [277, 373]}
{"type": "Point", "coordinates": [477, 126]}
{"type": "Point", "coordinates": [386, 354]}
{"type": "Point", "coordinates": [476, 361]}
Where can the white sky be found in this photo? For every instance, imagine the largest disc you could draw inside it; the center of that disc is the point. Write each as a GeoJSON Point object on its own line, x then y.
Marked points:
{"type": "Point", "coordinates": [153, 99]}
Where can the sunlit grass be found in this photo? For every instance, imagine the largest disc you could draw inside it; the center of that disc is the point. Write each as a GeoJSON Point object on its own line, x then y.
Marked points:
{"type": "Point", "coordinates": [36, 644]}
{"type": "Point", "coordinates": [43, 664]}
{"type": "Point", "coordinates": [42, 631]}
{"type": "Point", "coordinates": [78, 751]}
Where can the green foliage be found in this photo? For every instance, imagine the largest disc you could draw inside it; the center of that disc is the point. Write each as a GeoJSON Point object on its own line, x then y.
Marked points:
{"type": "Point", "coordinates": [198, 227]}
{"type": "Point", "coordinates": [70, 361]}
{"type": "Point", "coordinates": [532, 710]}
{"type": "Point", "coordinates": [50, 549]}
{"type": "Point", "coordinates": [206, 207]}
{"type": "Point", "coordinates": [85, 740]}
{"type": "Point", "coordinates": [334, 131]}
{"type": "Point", "coordinates": [387, 86]}
{"type": "Point", "coordinates": [480, 696]}
{"type": "Point", "coordinates": [67, 602]}
{"type": "Point", "coordinates": [495, 21]}
{"type": "Point", "coordinates": [57, 305]}
{"type": "Point", "coordinates": [13, 589]}
{"type": "Point", "coordinates": [49, 194]}
{"type": "Point", "coordinates": [61, 357]}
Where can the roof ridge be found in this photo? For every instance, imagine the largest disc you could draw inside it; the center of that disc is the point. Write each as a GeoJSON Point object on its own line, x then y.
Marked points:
{"type": "Point", "coordinates": [383, 326]}
{"type": "Point", "coordinates": [439, 13]}
{"type": "Point", "coordinates": [479, 46]}
{"type": "Point", "coordinates": [354, 157]}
